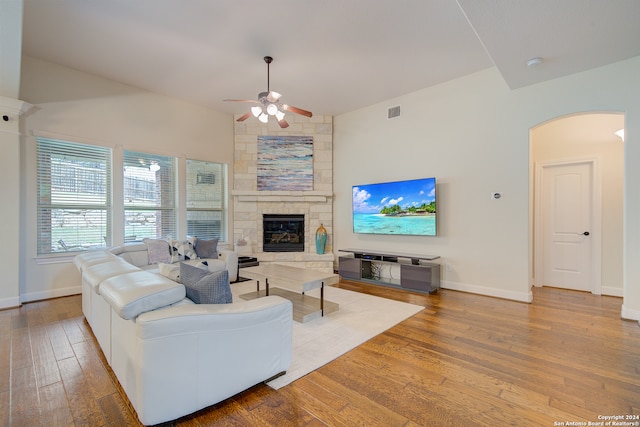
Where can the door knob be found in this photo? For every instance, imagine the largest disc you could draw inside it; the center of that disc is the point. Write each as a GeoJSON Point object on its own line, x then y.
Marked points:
{"type": "Point", "coordinates": [586, 233]}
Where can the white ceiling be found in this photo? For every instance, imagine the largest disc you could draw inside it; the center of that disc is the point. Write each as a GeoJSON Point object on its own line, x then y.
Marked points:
{"type": "Point", "coordinates": [330, 56]}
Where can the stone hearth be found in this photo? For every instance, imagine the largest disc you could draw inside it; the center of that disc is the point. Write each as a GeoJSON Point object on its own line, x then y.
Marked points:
{"type": "Point", "coordinates": [249, 204]}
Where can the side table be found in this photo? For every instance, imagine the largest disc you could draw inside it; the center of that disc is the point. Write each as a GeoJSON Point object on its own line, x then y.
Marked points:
{"type": "Point", "coordinates": [243, 262]}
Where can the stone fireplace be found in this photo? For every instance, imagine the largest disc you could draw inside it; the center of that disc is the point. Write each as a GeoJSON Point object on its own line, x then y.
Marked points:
{"type": "Point", "coordinates": [251, 205]}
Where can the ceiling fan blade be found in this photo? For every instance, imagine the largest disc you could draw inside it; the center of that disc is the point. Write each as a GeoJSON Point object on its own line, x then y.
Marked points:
{"type": "Point", "coordinates": [297, 110]}
{"type": "Point", "coordinates": [273, 96]}
{"type": "Point", "coordinates": [241, 100]}
{"type": "Point", "coordinates": [283, 123]}
{"type": "Point", "coordinates": [244, 117]}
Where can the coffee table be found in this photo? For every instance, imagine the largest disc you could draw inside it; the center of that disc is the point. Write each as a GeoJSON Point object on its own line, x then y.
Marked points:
{"type": "Point", "coordinates": [292, 283]}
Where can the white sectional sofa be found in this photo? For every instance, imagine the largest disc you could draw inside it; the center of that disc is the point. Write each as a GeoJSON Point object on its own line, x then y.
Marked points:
{"type": "Point", "coordinates": [171, 356]}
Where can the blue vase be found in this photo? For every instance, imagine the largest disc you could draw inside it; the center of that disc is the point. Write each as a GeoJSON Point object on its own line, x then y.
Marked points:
{"type": "Point", "coordinates": [321, 239]}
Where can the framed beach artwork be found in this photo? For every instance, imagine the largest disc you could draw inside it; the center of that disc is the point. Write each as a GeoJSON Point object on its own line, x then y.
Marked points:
{"type": "Point", "coordinates": [285, 163]}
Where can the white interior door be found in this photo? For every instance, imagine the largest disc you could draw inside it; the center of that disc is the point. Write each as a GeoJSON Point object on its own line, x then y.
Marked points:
{"type": "Point", "coordinates": [566, 225]}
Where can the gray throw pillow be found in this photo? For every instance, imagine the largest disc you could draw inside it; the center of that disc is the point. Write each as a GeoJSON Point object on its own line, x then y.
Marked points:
{"type": "Point", "coordinates": [206, 248]}
{"type": "Point", "coordinates": [158, 250]}
{"type": "Point", "coordinates": [205, 287]}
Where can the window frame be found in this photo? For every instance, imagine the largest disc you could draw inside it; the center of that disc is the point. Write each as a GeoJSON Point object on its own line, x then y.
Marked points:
{"type": "Point", "coordinates": [195, 169]}
{"type": "Point", "coordinates": [115, 208]}
{"type": "Point", "coordinates": [77, 157]}
{"type": "Point", "coordinates": [155, 208]}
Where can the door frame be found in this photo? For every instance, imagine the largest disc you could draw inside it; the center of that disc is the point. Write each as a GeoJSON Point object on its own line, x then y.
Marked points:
{"type": "Point", "coordinates": [596, 229]}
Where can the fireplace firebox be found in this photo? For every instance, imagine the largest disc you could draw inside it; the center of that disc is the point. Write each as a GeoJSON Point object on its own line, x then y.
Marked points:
{"type": "Point", "coordinates": [283, 233]}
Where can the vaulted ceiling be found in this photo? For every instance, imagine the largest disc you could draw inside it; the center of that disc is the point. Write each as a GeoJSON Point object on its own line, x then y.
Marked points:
{"type": "Point", "coordinates": [330, 56]}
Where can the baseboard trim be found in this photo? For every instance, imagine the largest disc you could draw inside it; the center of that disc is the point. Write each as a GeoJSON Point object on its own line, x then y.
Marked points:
{"type": "Point", "coordinates": [54, 293]}
{"type": "Point", "coordinates": [491, 292]}
{"type": "Point", "coordinates": [612, 292]}
{"type": "Point", "coordinates": [9, 303]}
{"type": "Point", "coordinates": [630, 314]}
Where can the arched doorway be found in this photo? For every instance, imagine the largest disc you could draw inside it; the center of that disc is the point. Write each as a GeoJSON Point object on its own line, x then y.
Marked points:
{"type": "Point", "coordinates": [567, 155]}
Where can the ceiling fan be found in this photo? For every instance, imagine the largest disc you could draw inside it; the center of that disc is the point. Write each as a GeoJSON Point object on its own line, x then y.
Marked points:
{"type": "Point", "coordinates": [268, 104]}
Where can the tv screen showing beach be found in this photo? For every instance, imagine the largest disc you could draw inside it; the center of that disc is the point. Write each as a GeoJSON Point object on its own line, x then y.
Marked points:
{"type": "Point", "coordinates": [401, 207]}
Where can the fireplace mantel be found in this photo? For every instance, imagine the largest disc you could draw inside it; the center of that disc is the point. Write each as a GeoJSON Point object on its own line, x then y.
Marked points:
{"type": "Point", "coordinates": [282, 196]}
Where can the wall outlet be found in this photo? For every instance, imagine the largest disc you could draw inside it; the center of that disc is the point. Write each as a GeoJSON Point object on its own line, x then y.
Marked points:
{"type": "Point", "coordinates": [447, 267]}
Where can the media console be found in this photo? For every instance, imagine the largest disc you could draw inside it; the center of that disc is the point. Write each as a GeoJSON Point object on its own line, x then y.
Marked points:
{"type": "Point", "coordinates": [404, 271]}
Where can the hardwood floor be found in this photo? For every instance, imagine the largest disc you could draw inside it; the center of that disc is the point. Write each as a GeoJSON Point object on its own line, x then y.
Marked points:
{"type": "Point", "coordinates": [464, 360]}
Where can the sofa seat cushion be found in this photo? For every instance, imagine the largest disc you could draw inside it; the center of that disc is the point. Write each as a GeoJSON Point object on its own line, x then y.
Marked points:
{"type": "Point", "coordinates": [149, 267]}
{"type": "Point", "coordinates": [98, 273]}
{"type": "Point", "coordinates": [133, 293]}
{"type": "Point", "coordinates": [183, 301]}
{"type": "Point", "coordinates": [172, 271]}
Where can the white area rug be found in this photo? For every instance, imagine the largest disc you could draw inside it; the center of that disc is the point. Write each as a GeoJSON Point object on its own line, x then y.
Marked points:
{"type": "Point", "coordinates": [316, 343]}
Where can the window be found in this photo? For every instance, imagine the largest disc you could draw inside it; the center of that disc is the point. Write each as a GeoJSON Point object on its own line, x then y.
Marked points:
{"type": "Point", "coordinates": [206, 199]}
{"type": "Point", "coordinates": [74, 196]}
{"type": "Point", "coordinates": [149, 196]}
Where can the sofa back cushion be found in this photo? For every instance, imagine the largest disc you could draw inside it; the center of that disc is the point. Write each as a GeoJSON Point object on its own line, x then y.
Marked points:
{"type": "Point", "coordinates": [89, 258]}
{"type": "Point", "coordinates": [135, 253]}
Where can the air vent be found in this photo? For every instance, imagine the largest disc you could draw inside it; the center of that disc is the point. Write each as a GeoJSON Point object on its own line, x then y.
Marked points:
{"type": "Point", "coordinates": [394, 112]}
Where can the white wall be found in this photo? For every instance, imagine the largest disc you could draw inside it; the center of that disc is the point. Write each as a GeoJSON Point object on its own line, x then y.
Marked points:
{"type": "Point", "coordinates": [10, 194]}
{"type": "Point", "coordinates": [84, 108]}
{"type": "Point", "coordinates": [472, 134]}
{"type": "Point", "coordinates": [10, 34]}
{"type": "Point", "coordinates": [11, 108]}
{"type": "Point", "coordinates": [592, 136]}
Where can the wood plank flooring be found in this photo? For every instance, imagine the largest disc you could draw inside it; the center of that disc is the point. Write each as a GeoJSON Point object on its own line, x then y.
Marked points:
{"type": "Point", "coordinates": [465, 360]}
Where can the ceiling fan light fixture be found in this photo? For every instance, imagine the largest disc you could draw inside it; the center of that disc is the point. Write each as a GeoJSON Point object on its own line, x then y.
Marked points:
{"type": "Point", "coordinates": [272, 109]}
{"type": "Point", "coordinates": [256, 111]}
{"type": "Point", "coordinates": [268, 104]}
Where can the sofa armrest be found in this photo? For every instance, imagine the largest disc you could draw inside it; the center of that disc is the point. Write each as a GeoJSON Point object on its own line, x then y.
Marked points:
{"type": "Point", "coordinates": [231, 259]}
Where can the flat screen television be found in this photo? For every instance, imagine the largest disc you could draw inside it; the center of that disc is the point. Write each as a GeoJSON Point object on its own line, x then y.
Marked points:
{"type": "Point", "coordinates": [401, 207]}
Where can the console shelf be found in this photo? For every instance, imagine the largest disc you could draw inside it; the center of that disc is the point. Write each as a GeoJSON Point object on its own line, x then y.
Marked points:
{"type": "Point", "coordinates": [404, 271]}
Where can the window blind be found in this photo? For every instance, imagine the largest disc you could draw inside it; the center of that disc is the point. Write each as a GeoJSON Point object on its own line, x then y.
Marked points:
{"type": "Point", "coordinates": [149, 196]}
{"type": "Point", "coordinates": [206, 185]}
{"type": "Point", "coordinates": [74, 196]}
